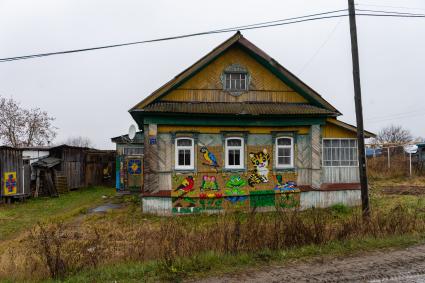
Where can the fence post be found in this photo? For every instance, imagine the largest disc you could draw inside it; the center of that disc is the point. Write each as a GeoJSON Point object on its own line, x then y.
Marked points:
{"type": "Point", "coordinates": [410, 164]}
{"type": "Point", "coordinates": [388, 153]}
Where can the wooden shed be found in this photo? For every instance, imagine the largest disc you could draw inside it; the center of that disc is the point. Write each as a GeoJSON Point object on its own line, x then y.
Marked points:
{"type": "Point", "coordinates": [70, 167]}
{"type": "Point", "coordinates": [99, 168]}
{"type": "Point", "coordinates": [15, 174]}
{"type": "Point", "coordinates": [72, 164]}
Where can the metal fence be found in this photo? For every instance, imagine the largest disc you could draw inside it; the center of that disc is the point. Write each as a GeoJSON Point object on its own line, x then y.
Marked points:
{"type": "Point", "coordinates": [395, 160]}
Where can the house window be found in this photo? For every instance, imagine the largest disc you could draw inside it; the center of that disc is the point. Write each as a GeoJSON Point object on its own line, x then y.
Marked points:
{"type": "Point", "coordinates": [340, 152]}
{"type": "Point", "coordinates": [133, 150]}
{"type": "Point", "coordinates": [184, 154]}
{"type": "Point", "coordinates": [235, 81]}
{"type": "Point", "coordinates": [234, 153]}
{"type": "Point", "coordinates": [284, 152]}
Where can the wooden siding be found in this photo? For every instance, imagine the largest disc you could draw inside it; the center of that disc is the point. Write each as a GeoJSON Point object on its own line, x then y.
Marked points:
{"type": "Point", "coordinates": [316, 157]}
{"type": "Point", "coordinates": [11, 161]}
{"type": "Point", "coordinates": [333, 131]}
{"type": "Point", "coordinates": [207, 86]}
{"type": "Point", "coordinates": [340, 175]}
{"type": "Point", "coordinates": [303, 159]}
{"type": "Point", "coordinates": [150, 164]}
{"type": "Point", "coordinates": [328, 198]}
{"type": "Point", "coordinates": [157, 205]}
{"type": "Point", "coordinates": [72, 165]}
{"type": "Point", "coordinates": [301, 130]}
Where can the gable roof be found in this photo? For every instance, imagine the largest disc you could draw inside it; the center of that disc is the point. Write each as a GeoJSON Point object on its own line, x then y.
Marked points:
{"type": "Point", "coordinates": [350, 127]}
{"type": "Point", "coordinates": [125, 139]}
{"type": "Point", "coordinates": [282, 73]}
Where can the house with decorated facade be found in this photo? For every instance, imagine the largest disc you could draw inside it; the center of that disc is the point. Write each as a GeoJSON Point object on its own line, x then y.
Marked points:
{"type": "Point", "coordinates": [237, 130]}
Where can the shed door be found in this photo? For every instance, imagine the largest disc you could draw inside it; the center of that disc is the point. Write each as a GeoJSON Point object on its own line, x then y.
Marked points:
{"type": "Point", "coordinates": [134, 172]}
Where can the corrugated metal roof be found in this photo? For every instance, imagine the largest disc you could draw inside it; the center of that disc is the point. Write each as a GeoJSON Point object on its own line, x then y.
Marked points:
{"type": "Point", "coordinates": [47, 162]}
{"type": "Point", "coordinates": [246, 108]}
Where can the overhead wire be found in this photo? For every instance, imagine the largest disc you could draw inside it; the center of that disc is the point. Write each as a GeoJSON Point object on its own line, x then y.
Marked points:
{"type": "Point", "coordinates": [388, 6]}
{"type": "Point", "coordinates": [304, 67]}
{"type": "Point", "coordinates": [396, 114]}
{"type": "Point", "coordinates": [396, 117]}
{"type": "Point", "coordinates": [288, 21]}
{"type": "Point", "coordinates": [390, 12]}
{"type": "Point", "coordinates": [232, 29]}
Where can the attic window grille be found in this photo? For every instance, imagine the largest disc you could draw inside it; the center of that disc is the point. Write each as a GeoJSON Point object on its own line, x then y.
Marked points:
{"type": "Point", "coordinates": [235, 81]}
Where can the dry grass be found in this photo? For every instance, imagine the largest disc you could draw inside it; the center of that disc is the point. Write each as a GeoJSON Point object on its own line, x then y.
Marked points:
{"type": "Point", "coordinates": [399, 167]}
{"type": "Point", "coordinates": [60, 250]}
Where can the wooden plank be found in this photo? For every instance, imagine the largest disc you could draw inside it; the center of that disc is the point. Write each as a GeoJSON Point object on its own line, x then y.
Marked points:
{"type": "Point", "coordinates": [316, 175]}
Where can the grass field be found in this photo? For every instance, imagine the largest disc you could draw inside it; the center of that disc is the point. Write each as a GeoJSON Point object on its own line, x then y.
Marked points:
{"type": "Point", "coordinates": [18, 217]}
{"type": "Point", "coordinates": [191, 246]}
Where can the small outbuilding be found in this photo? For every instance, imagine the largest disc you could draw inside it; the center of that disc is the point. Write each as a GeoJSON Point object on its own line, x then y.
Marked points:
{"type": "Point", "coordinates": [15, 174]}
{"type": "Point", "coordinates": [70, 167]}
{"type": "Point", "coordinates": [129, 162]}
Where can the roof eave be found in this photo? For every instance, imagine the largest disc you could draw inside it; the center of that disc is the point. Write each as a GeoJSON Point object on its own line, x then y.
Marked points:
{"type": "Point", "coordinates": [186, 72]}
{"type": "Point", "coordinates": [201, 63]}
{"type": "Point", "coordinates": [351, 128]}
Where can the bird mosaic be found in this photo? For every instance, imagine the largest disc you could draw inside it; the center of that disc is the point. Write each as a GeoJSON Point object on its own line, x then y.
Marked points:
{"type": "Point", "coordinates": [209, 157]}
{"type": "Point", "coordinates": [209, 183]}
{"type": "Point", "coordinates": [186, 184]}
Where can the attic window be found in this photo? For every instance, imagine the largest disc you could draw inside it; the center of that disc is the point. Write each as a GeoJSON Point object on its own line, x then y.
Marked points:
{"type": "Point", "coordinates": [235, 79]}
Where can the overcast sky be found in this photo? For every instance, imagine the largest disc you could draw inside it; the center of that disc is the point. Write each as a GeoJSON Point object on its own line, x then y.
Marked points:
{"type": "Point", "coordinates": [90, 93]}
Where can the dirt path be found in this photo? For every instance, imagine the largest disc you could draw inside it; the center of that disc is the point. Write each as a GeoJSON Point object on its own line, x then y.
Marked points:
{"type": "Point", "coordinates": [406, 265]}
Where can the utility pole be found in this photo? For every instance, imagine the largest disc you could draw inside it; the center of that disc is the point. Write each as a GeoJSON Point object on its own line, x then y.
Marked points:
{"type": "Point", "coordinates": [359, 110]}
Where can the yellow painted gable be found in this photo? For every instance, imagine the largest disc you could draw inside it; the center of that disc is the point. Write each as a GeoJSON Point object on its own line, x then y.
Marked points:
{"type": "Point", "coordinates": [334, 131]}
{"type": "Point", "coordinates": [206, 85]}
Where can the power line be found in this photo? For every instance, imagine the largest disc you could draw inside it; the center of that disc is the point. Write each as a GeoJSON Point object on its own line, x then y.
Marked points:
{"type": "Point", "coordinates": [420, 111]}
{"type": "Point", "coordinates": [246, 27]}
{"type": "Point", "coordinates": [390, 12]}
{"type": "Point", "coordinates": [282, 22]}
{"type": "Point", "coordinates": [303, 68]}
{"type": "Point", "coordinates": [395, 118]}
{"type": "Point", "coordinates": [386, 6]}
{"type": "Point", "coordinates": [392, 16]}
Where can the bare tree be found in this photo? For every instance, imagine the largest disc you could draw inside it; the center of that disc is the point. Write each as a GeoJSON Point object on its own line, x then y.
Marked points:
{"type": "Point", "coordinates": [79, 141]}
{"type": "Point", "coordinates": [24, 127]}
{"type": "Point", "coordinates": [393, 135]}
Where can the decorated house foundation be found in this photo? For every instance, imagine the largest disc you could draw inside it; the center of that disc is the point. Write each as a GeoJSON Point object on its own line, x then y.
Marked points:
{"type": "Point", "coordinates": [236, 130]}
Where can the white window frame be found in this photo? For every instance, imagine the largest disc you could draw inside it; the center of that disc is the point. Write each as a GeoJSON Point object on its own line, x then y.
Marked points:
{"type": "Point", "coordinates": [323, 152]}
{"type": "Point", "coordinates": [240, 79]}
{"type": "Point", "coordinates": [192, 154]}
{"type": "Point", "coordinates": [277, 146]}
{"type": "Point", "coordinates": [242, 153]}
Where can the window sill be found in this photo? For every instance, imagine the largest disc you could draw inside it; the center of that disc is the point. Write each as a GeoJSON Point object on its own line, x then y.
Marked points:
{"type": "Point", "coordinates": [234, 170]}
{"type": "Point", "coordinates": [181, 170]}
{"type": "Point", "coordinates": [284, 169]}
{"type": "Point", "coordinates": [341, 166]}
